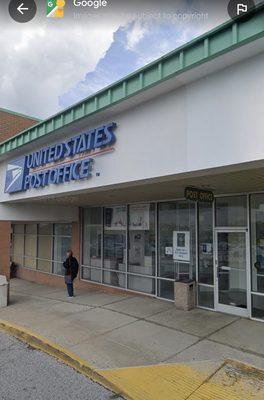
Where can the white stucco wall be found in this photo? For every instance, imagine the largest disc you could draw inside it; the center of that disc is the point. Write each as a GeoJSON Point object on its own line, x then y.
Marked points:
{"type": "Point", "coordinates": [39, 213]}
{"type": "Point", "coordinates": [212, 122]}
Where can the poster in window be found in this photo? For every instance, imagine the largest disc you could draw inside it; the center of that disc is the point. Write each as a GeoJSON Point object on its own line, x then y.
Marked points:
{"type": "Point", "coordinates": [139, 217]}
{"type": "Point", "coordinates": [181, 246]}
{"type": "Point", "coordinates": [115, 218]}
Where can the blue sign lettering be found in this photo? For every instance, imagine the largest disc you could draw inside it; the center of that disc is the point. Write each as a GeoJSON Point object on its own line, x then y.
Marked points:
{"type": "Point", "coordinates": [21, 174]}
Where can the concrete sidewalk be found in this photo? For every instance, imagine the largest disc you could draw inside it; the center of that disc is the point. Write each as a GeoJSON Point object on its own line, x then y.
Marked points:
{"type": "Point", "coordinates": [123, 330]}
{"type": "Point", "coordinates": [145, 345]}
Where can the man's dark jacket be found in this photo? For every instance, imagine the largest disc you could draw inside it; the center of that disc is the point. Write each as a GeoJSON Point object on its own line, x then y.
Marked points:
{"type": "Point", "coordinates": [71, 266]}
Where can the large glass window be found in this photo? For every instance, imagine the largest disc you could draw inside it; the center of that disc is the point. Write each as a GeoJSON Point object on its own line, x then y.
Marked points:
{"type": "Point", "coordinates": [42, 246]}
{"type": "Point", "coordinates": [92, 237]}
{"type": "Point", "coordinates": [205, 240]}
{"type": "Point", "coordinates": [61, 243]}
{"type": "Point", "coordinates": [30, 253]}
{"type": "Point", "coordinates": [92, 243]}
{"type": "Point", "coordinates": [18, 244]}
{"type": "Point", "coordinates": [231, 211]}
{"type": "Point", "coordinates": [115, 233]}
{"type": "Point", "coordinates": [128, 254]}
{"type": "Point", "coordinates": [177, 243]}
{"type": "Point", "coordinates": [206, 296]}
{"type": "Point", "coordinates": [141, 284]}
{"type": "Point", "coordinates": [257, 253]}
{"type": "Point", "coordinates": [114, 278]}
{"type": "Point", "coordinates": [45, 240]}
{"type": "Point", "coordinates": [142, 239]}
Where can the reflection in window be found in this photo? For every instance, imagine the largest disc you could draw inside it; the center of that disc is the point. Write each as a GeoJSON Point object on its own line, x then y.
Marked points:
{"type": "Point", "coordinates": [43, 246]}
{"type": "Point", "coordinates": [257, 242]}
{"type": "Point", "coordinates": [30, 253]}
{"type": "Point", "coordinates": [141, 284]}
{"type": "Point", "coordinates": [115, 226]}
{"type": "Point", "coordinates": [205, 296]}
{"type": "Point", "coordinates": [114, 278]}
{"type": "Point", "coordinates": [258, 306]}
{"type": "Point", "coordinates": [166, 289]}
{"type": "Point", "coordinates": [60, 246]}
{"type": "Point", "coordinates": [206, 266]}
{"type": "Point", "coordinates": [45, 253]}
{"type": "Point", "coordinates": [18, 244]}
{"type": "Point", "coordinates": [92, 237]}
{"type": "Point", "coordinates": [63, 229]}
{"type": "Point", "coordinates": [142, 239]}
{"type": "Point", "coordinates": [177, 238]}
{"type": "Point", "coordinates": [231, 211]}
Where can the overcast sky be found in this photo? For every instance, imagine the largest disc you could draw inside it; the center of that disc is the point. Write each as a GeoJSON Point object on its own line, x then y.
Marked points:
{"type": "Point", "coordinates": [47, 64]}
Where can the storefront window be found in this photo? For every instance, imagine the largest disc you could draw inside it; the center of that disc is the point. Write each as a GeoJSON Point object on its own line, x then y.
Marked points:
{"type": "Point", "coordinates": [205, 239]}
{"type": "Point", "coordinates": [39, 247]}
{"type": "Point", "coordinates": [205, 261]}
{"type": "Point", "coordinates": [92, 237]}
{"type": "Point", "coordinates": [45, 229]}
{"type": "Point", "coordinates": [206, 296]}
{"type": "Point", "coordinates": [61, 243]}
{"type": "Point", "coordinates": [257, 306]}
{"type": "Point", "coordinates": [166, 289]}
{"type": "Point", "coordinates": [177, 243]}
{"type": "Point", "coordinates": [115, 232]}
{"type": "Point", "coordinates": [231, 211]}
{"type": "Point", "coordinates": [45, 253]}
{"type": "Point", "coordinates": [142, 239]}
{"type": "Point", "coordinates": [257, 253]}
{"type": "Point", "coordinates": [63, 229]}
{"type": "Point", "coordinates": [141, 284]}
{"type": "Point", "coordinates": [114, 278]}
{"type": "Point", "coordinates": [92, 243]}
{"type": "Point", "coordinates": [30, 253]}
{"type": "Point", "coordinates": [18, 244]}
{"type": "Point", "coordinates": [45, 240]}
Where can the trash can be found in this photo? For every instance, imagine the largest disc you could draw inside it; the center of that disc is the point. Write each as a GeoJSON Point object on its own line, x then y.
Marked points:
{"type": "Point", "coordinates": [185, 294]}
{"type": "Point", "coordinates": [3, 291]}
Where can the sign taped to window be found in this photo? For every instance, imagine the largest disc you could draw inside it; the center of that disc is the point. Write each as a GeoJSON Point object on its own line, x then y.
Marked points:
{"type": "Point", "coordinates": [181, 246]}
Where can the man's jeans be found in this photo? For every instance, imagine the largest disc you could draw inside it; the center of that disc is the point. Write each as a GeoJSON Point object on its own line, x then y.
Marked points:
{"type": "Point", "coordinates": [69, 283]}
{"type": "Point", "coordinates": [70, 289]}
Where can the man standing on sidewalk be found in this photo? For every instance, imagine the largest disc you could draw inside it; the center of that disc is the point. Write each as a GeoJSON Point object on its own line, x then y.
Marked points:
{"type": "Point", "coordinates": [71, 266]}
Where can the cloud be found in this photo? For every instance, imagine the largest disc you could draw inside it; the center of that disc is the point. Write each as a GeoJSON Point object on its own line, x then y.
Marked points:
{"type": "Point", "coordinates": [38, 65]}
{"type": "Point", "coordinates": [136, 34]}
{"type": "Point", "coordinates": [133, 46]}
{"type": "Point", "coordinates": [48, 65]}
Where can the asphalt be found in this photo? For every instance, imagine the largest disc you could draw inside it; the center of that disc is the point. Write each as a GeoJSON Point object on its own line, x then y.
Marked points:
{"type": "Point", "coordinates": [27, 374]}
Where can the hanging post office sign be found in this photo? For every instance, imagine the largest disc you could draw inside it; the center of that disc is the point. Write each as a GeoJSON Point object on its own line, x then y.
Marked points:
{"type": "Point", "coordinates": [194, 194]}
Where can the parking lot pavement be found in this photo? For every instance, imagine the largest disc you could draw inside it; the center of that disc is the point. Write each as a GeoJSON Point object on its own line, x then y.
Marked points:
{"type": "Point", "coordinates": [27, 374]}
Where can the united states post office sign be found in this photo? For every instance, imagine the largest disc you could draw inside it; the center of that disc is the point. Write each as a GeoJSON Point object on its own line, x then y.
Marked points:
{"type": "Point", "coordinates": [66, 161]}
{"type": "Point", "coordinates": [194, 194]}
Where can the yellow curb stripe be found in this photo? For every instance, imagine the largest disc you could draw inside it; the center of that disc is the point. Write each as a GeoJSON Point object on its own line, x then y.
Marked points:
{"type": "Point", "coordinates": [158, 382]}
{"type": "Point", "coordinates": [170, 382]}
{"type": "Point", "coordinates": [40, 343]}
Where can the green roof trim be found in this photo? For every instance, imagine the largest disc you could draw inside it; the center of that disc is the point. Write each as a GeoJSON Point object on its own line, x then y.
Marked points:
{"type": "Point", "coordinates": [224, 38]}
{"type": "Point", "coordinates": [19, 114]}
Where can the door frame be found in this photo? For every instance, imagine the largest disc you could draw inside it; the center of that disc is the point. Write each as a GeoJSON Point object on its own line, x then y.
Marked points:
{"type": "Point", "coordinates": [242, 312]}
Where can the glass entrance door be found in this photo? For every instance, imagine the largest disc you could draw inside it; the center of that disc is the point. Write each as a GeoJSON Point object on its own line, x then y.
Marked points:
{"type": "Point", "coordinates": [231, 271]}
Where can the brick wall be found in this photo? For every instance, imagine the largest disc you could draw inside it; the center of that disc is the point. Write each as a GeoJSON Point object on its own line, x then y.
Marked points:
{"type": "Point", "coordinates": [11, 124]}
{"type": "Point", "coordinates": [5, 240]}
